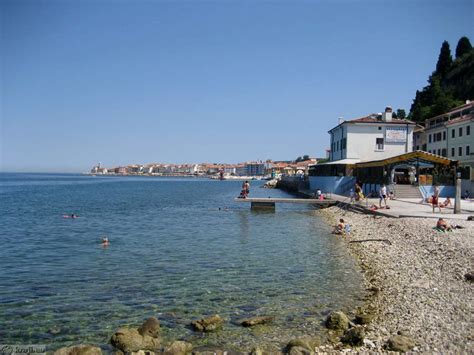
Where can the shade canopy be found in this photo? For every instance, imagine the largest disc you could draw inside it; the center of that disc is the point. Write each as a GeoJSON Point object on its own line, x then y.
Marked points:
{"type": "Point", "coordinates": [410, 158]}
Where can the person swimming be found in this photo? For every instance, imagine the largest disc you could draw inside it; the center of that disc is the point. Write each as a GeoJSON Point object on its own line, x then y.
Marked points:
{"type": "Point", "coordinates": [105, 241]}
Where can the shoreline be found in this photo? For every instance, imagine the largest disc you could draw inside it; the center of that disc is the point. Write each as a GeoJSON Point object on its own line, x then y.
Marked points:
{"type": "Point", "coordinates": [415, 284]}
{"type": "Point", "coordinates": [416, 280]}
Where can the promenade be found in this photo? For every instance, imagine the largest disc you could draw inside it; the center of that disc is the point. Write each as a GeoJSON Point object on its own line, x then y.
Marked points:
{"type": "Point", "coordinates": [410, 207]}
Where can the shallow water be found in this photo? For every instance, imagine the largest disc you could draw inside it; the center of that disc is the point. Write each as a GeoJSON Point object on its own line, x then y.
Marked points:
{"type": "Point", "coordinates": [173, 255]}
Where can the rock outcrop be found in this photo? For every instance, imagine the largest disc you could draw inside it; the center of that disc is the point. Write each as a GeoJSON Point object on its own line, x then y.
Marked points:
{"type": "Point", "coordinates": [303, 345]}
{"type": "Point", "coordinates": [129, 340]}
{"type": "Point", "coordinates": [81, 349]}
{"type": "Point", "coordinates": [400, 343]}
{"type": "Point", "coordinates": [354, 336]}
{"type": "Point", "coordinates": [150, 327]}
{"type": "Point", "coordinates": [337, 321]}
{"type": "Point", "coordinates": [178, 348]}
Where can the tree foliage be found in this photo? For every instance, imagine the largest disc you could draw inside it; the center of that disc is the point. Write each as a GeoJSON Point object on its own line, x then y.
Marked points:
{"type": "Point", "coordinates": [445, 60]}
{"type": "Point", "coordinates": [401, 114]}
{"type": "Point", "coordinates": [448, 86]}
{"type": "Point", "coordinates": [463, 47]}
{"type": "Point", "coordinates": [303, 158]}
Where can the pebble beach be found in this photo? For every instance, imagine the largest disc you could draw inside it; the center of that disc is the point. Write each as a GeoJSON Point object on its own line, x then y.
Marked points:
{"type": "Point", "coordinates": [416, 277]}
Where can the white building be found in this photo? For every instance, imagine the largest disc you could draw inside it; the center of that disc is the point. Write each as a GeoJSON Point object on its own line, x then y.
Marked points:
{"type": "Point", "coordinates": [374, 137]}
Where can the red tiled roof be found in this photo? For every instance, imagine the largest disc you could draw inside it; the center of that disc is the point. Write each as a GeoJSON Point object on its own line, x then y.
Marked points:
{"type": "Point", "coordinates": [456, 109]}
{"type": "Point", "coordinates": [460, 119]}
{"type": "Point", "coordinates": [374, 119]}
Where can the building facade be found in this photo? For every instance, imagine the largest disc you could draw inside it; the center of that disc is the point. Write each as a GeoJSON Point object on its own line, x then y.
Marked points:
{"type": "Point", "coordinates": [374, 137]}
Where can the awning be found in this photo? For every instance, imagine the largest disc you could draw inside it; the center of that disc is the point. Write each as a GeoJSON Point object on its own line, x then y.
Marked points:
{"type": "Point", "coordinates": [410, 158]}
{"type": "Point", "coordinates": [342, 161]}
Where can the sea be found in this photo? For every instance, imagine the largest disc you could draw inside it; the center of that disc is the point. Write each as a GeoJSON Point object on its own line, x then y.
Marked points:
{"type": "Point", "coordinates": [180, 249]}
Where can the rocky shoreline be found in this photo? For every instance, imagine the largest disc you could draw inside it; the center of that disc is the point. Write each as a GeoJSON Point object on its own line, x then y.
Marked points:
{"type": "Point", "coordinates": [420, 280]}
{"type": "Point", "coordinates": [420, 296]}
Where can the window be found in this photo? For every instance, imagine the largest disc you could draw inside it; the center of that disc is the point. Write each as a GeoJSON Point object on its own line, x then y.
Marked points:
{"type": "Point", "coordinates": [460, 131]}
{"type": "Point", "coordinates": [453, 133]}
{"type": "Point", "coordinates": [438, 138]}
{"type": "Point", "coordinates": [379, 143]}
{"type": "Point", "coordinates": [417, 147]}
{"type": "Point", "coordinates": [468, 130]}
{"type": "Point", "coordinates": [460, 151]}
{"type": "Point", "coordinates": [452, 152]}
{"type": "Point", "coordinates": [439, 151]}
{"type": "Point", "coordinates": [443, 152]}
{"type": "Point", "coordinates": [444, 135]}
{"type": "Point", "coordinates": [423, 147]}
{"type": "Point", "coordinates": [380, 128]}
{"type": "Point", "coordinates": [468, 149]}
{"type": "Point", "coordinates": [429, 138]}
{"type": "Point", "coordinates": [337, 145]}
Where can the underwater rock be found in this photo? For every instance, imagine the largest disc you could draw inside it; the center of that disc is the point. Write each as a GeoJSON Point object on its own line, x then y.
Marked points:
{"type": "Point", "coordinates": [208, 324]}
{"type": "Point", "coordinates": [250, 322]}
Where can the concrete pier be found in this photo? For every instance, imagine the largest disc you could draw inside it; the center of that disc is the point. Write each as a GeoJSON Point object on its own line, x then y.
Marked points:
{"type": "Point", "coordinates": [269, 203]}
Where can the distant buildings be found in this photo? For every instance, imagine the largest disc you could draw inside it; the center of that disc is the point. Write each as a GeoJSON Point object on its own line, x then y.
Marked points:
{"type": "Point", "coordinates": [253, 168]}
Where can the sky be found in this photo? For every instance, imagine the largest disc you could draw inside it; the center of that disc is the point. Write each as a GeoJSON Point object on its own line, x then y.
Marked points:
{"type": "Point", "coordinates": [142, 81]}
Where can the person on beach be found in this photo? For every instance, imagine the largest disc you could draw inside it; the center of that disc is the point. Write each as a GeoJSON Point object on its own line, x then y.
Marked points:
{"type": "Point", "coordinates": [352, 195]}
{"type": "Point", "coordinates": [243, 194]}
{"type": "Point", "coordinates": [383, 195]}
{"type": "Point", "coordinates": [391, 195]}
{"type": "Point", "coordinates": [442, 225]}
{"type": "Point", "coordinates": [318, 193]}
{"type": "Point", "coordinates": [358, 192]}
{"type": "Point", "coordinates": [446, 203]}
{"type": "Point", "coordinates": [435, 203]}
{"type": "Point", "coordinates": [340, 227]}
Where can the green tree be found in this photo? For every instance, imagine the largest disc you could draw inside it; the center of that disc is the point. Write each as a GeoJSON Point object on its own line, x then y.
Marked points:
{"type": "Point", "coordinates": [463, 47]}
{"type": "Point", "coordinates": [305, 157]}
{"type": "Point", "coordinates": [401, 114]}
{"type": "Point", "coordinates": [445, 60]}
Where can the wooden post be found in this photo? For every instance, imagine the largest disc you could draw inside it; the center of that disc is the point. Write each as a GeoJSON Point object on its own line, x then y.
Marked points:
{"type": "Point", "coordinates": [457, 201]}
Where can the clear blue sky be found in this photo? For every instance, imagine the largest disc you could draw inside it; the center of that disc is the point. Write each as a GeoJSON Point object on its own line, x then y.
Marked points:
{"type": "Point", "coordinates": [206, 81]}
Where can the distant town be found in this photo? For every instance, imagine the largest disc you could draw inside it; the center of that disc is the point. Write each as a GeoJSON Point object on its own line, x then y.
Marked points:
{"type": "Point", "coordinates": [267, 168]}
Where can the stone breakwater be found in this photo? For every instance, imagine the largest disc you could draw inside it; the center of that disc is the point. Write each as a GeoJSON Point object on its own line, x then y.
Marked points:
{"type": "Point", "coordinates": [420, 280]}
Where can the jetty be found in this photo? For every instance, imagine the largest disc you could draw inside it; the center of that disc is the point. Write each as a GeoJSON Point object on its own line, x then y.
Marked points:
{"type": "Point", "coordinates": [270, 202]}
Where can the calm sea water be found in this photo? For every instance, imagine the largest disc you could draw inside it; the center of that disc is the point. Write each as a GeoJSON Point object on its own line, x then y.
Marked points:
{"type": "Point", "coordinates": [173, 255]}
